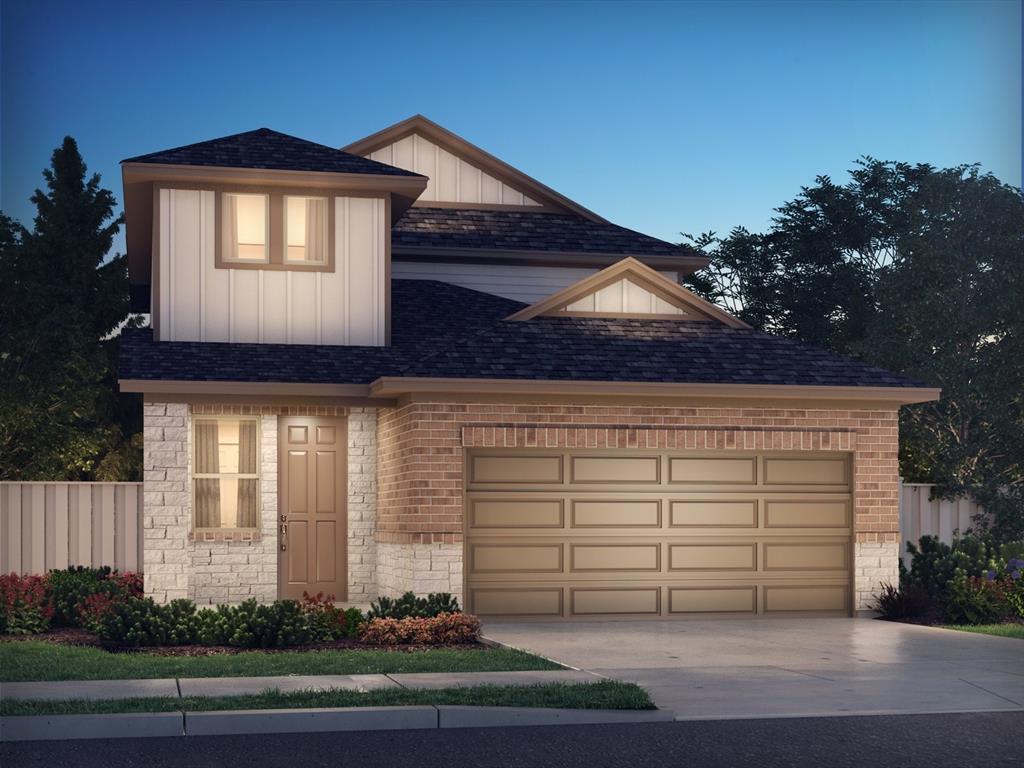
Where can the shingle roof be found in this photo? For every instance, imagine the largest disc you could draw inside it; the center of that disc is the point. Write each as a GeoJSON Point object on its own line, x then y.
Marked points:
{"type": "Point", "coordinates": [426, 227]}
{"type": "Point", "coordinates": [464, 335]}
{"type": "Point", "coordinates": [270, 150]}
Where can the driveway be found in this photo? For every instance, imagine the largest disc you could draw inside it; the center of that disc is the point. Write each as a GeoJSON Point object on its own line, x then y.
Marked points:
{"type": "Point", "coordinates": [718, 669]}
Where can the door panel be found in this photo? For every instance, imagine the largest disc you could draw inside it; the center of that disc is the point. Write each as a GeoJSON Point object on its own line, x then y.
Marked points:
{"type": "Point", "coordinates": [312, 555]}
{"type": "Point", "coordinates": [591, 533]}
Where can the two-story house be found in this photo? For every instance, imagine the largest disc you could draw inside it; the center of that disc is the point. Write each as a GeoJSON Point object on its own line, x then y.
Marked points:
{"type": "Point", "coordinates": [406, 365]}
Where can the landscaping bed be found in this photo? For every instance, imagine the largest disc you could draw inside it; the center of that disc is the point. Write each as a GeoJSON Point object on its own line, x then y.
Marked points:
{"type": "Point", "coordinates": [602, 695]}
{"type": "Point", "coordinates": [94, 624]}
{"type": "Point", "coordinates": [975, 584]}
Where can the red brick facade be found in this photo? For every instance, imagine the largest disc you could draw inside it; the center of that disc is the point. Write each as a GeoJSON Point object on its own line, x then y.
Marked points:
{"type": "Point", "coordinates": [421, 446]}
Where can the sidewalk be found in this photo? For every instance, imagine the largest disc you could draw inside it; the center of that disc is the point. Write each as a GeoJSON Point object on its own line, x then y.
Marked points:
{"type": "Point", "coordinates": [239, 686]}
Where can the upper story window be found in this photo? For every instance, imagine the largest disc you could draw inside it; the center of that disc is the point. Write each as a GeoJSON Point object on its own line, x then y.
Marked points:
{"type": "Point", "coordinates": [275, 230]}
{"type": "Point", "coordinates": [305, 230]}
{"type": "Point", "coordinates": [246, 228]}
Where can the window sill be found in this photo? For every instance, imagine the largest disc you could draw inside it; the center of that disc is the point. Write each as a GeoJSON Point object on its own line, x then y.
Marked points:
{"type": "Point", "coordinates": [290, 266]}
{"type": "Point", "coordinates": [228, 535]}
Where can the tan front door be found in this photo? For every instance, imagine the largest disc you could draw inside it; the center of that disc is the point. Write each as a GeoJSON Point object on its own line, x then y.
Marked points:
{"type": "Point", "coordinates": [312, 552]}
{"type": "Point", "coordinates": [648, 534]}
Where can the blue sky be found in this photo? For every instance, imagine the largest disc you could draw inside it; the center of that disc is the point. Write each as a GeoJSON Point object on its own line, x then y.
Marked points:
{"type": "Point", "coordinates": [664, 117]}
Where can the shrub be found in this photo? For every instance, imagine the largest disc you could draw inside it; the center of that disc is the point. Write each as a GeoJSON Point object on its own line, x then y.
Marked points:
{"type": "Point", "coordinates": [907, 601]}
{"type": "Point", "coordinates": [24, 605]}
{"type": "Point", "coordinates": [252, 625]}
{"type": "Point", "coordinates": [79, 594]}
{"type": "Point", "coordinates": [977, 600]}
{"type": "Point", "coordinates": [139, 622]}
{"type": "Point", "coordinates": [1014, 583]}
{"type": "Point", "coordinates": [328, 622]}
{"type": "Point", "coordinates": [935, 565]}
{"type": "Point", "coordinates": [410, 606]}
{"type": "Point", "coordinates": [443, 629]}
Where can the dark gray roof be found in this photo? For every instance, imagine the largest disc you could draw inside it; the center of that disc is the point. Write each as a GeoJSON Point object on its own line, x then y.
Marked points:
{"type": "Point", "coordinates": [464, 335]}
{"type": "Point", "coordinates": [264, 148]}
{"type": "Point", "coordinates": [425, 227]}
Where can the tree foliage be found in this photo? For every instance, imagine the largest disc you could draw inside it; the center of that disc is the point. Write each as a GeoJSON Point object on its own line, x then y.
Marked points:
{"type": "Point", "coordinates": [61, 298]}
{"type": "Point", "coordinates": [915, 269]}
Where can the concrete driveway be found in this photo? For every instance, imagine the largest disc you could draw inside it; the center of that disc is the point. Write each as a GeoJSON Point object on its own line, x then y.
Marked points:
{"type": "Point", "coordinates": [788, 667]}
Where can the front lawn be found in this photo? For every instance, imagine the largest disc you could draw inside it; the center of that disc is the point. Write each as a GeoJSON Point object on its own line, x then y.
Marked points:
{"type": "Point", "coordinates": [999, 630]}
{"type": "Point", "coordinates": [28, 660]}
{"type": "Point", "coordinates": [607, 694]}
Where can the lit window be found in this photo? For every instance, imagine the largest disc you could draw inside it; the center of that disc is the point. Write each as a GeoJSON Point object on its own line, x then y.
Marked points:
{"type": "Point", "coordinates": [245, 228]}
{"type": "Point", "coordinates": [225, 473]}
{"type": "Point", "coordinates": [305, 230]}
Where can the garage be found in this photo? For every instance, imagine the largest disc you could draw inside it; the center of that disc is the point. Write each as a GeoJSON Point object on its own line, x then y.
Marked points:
{"type": "Point", "coordinates": [598, 534]}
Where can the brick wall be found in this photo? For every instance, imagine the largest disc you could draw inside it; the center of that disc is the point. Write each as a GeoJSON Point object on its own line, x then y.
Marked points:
{"type": "Point", "coordinates": [421, 447]}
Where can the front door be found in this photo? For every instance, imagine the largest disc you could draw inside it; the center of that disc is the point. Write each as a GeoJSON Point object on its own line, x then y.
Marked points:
{"type": "Point", "coordinates": [312, 553]}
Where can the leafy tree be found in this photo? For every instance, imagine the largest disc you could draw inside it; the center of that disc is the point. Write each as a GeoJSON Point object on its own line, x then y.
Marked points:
{"type": "Point", "coordinates": [915, 269]}
{"type": "Point", "coordinates": [61, 299]}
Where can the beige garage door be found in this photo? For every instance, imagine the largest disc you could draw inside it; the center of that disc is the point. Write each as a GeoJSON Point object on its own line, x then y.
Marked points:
{"type": "Point", "coordinates": [633, 534]}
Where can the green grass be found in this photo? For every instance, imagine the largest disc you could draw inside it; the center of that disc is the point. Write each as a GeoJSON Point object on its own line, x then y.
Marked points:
{"type": "Point", "coordinates": [607, 694]}
{"type": "Point", "coordinates": [31, 660]}
{"type": "Point", "coordinates": [999, 630]}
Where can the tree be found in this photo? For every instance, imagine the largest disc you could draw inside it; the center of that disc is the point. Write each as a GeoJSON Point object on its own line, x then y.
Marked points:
{"type": "Point", "coordinates": [61, 298]}
{"type": "Point", "coordinates": [918, 270]}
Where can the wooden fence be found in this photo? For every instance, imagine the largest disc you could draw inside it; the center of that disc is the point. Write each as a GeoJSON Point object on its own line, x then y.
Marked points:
{"type": "Point", "coordinates": [922, 516]}
{"type": "Point", "coordinates": [54, 525]}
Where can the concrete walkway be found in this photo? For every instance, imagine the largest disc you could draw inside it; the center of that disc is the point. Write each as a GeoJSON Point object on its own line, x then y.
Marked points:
{"type": "Point", "coordinates": [240, 686]}
{"type": "Point", "coordinates": [738, 668]}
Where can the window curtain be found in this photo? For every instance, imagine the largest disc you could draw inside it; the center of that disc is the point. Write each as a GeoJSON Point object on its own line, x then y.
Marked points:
{"type": "Point", "coordinates": [230, 224]}
{"type": "Point", "coordinates": [316, 230]}
{"type": "Point", "coordinates": [207, 462]}
{"type": "Point", "coordinates": [248, 452]}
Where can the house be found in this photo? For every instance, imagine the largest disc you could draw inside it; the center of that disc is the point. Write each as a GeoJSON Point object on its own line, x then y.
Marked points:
{"type": "Point", "coordinates": [406, 365]}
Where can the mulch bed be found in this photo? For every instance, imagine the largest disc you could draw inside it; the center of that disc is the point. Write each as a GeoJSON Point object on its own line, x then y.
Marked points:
{"type": "Point", "coordinates": [82, 637]}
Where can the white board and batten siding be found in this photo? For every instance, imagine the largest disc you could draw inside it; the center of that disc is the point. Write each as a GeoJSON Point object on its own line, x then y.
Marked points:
{"type": "Point", "coordinates": [451, 179]}
{"type": "Point", "coordinates": [56, 525]}
{"type": "Point", "coordinates": [199, 302]}
{"type": "Point", "coordinates": [519, 283]}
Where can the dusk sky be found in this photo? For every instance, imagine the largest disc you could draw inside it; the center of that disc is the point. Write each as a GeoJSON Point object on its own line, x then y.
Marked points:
{"type": "Point", "coordinates": [663, 117]}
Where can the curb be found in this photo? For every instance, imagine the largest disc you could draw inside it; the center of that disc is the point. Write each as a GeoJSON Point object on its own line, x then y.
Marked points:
{"type": "Point", "coordinates": [62, 727]}
{"type": "Point", "coordinates": [229, 723]}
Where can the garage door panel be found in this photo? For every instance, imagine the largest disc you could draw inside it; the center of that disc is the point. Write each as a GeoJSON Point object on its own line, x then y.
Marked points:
{"type": "Point", "coordinates": [517, 470]}
{"type": "Point", "coordinates": [617, 469]}
{"type": "Point", "coordinates": [615, 557]}
{"type": "Point", "coordinates": [684, 600]}
{"type": "Point", "coordinates": [807, 556]}
{"type": "Point", "coordinates": [806, 514]}
{"type": "Point", "coordinates": [512, 601]}
{"type": "Point", "coordinates": [713, 557]}
{"type": "Point", "coordinates": [805, 598]}
{"type": "Point", "coordinates": [603, 533]}
{"type": "Point", "coordinates": [809, 471]}
{"type": "Point", "coordinates": [515, 513]}
{"type": "Point", "coordinates": [706, 470]}
{"type": "Point", "coordinates": [615, 513]}
{"type": "Point", "coordinates": [713, 514]}
{"type": "Point", "coordinates": [611, 601]}
{"type": "Point", "coordinates": [516, 558]}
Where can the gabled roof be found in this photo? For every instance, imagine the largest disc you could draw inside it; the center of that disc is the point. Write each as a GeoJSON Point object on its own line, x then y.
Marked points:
{"type": "Point", "coordinates": [269, 150]}
{"type": "Point", "coordinates": [442, 332]}
{"type": "Point", "coordinates": [694, 307]}
{"type": "Point", "coordinates": [474, 155]}
{"type": "Point", "coordinates": [426, 231]}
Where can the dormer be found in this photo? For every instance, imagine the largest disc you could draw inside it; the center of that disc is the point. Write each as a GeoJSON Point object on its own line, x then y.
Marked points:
{"type": "Point", "coordinates": [263, 237]}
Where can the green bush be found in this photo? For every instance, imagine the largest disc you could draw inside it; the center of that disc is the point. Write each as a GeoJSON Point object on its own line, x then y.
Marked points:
{"type": "Point", "coordinates": [907, 601]}
{"type": "Point", "coordinates": [935, 565]}
{"type": "Point", "coordinates": [977, 600]}
{"type": "Point", "coordinates": [25, 608]}
{"type": "Point", "coordinates": [79, 595]}
{"type": "Point", "coordinates": [138, 622]}
{"type": "Point", "coordinates": [252, 625]}
{"type": "Point", "coordinates": [408, 606]}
